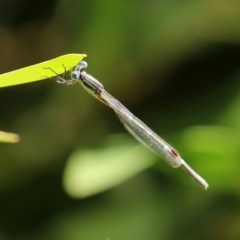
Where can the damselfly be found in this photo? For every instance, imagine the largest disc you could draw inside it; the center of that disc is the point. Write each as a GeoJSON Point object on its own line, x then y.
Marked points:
{"type": "Point", "coordinates": [135, 126]}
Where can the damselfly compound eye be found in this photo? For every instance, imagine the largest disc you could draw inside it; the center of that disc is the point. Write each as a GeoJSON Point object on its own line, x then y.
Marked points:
{"type": "Point", "coordinates": [83, 65]}
{"type": "Point", "coordinates": [75, 75]}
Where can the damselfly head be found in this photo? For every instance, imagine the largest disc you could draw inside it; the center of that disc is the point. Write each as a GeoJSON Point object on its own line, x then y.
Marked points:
{"type": "Point", "coordinates": [81, 66]}
{"type": "Point", "coordinates": [76, 74]}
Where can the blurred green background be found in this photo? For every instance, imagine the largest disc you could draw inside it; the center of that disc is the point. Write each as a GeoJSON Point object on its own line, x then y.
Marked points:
{"type": "Point", "coordinates": [76, 173]}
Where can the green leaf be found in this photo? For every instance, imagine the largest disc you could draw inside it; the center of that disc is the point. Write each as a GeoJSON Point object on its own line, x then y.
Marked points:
{"type": "Point", "coordinates": [8, 137]}
{"type": "Point", "coordinates": [89, 172]}
{"type": "Point", "coordinates": [41, 71]}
